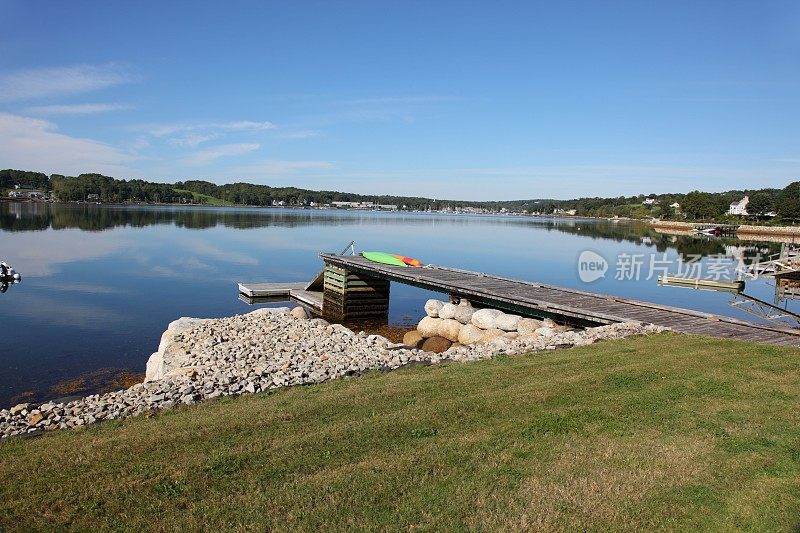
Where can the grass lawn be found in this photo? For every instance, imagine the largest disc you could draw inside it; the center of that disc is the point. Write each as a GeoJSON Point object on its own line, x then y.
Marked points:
{"type": "Point", "coordinates": [665, 432]}
{"type": "Point", "coordinates": [209, 200]}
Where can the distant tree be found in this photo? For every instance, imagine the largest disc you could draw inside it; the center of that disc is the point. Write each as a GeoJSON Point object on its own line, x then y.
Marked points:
{"type": "Point", "coordinates": [760, 204]}
{"type": "Point", "coordinates": [703, 205]}
{"type": "Point", "coordinates": [667, 211]}
{"type": "Point", "coordinates": [788, 204]}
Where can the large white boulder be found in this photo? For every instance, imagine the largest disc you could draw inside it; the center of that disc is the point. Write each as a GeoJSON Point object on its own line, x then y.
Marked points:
{"type": "Point", "coordinates": [470, 334]}
{"type": "Point", "coordinates": [449, 329]}
{"type": "Point", "coordinates": [506, 322]}
{"type": "Point", "coordinates": [464, 312]}
{"type": "Point", "coordinates": [300, 313]}
{"type": "Point", "coordinates": [448, 311]}
{"type": "Point", "coordinates": [490, 334]}
{"type": "Point", "coordinates": [170, 354]}
{"type": "Point", "coordinates": [429, 327]}
{"type": "Point", "coordinates": [526, 326]}
{"type": "Point", "coordinates": [484, 318]}
{"type": "Point", "coordinates": [432, 308]}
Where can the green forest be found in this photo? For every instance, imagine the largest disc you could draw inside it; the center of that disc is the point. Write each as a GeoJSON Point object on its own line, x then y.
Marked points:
{"type": "Point", "coordinates": [695, 205]}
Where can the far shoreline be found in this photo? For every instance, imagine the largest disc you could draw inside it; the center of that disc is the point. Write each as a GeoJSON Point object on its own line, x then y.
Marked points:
{"type": "Point", "coordinates": [749, 231]}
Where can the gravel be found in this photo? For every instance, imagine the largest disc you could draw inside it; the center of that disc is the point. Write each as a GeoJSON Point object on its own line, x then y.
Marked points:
{"type": "Point", "coordinates": [265, 350]}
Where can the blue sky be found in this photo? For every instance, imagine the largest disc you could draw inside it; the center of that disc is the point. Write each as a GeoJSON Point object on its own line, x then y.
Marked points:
{"type": "Point", "coordinates": [466, 100]}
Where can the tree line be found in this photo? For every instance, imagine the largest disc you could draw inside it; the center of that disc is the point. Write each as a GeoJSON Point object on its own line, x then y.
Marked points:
{"type": "Point", "coordinates": [696, 205]}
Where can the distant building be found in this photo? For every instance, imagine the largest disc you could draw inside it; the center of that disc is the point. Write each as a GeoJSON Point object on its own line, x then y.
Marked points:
{"type": "Point", "coordinates": [93, 197]}
{"type": "Point", "coordinates": [650, 201]}
{"type": "Point", "coordinates": [739, 208]}
{"type": "Point", "coordinates": [364, 205]}
{"type": "Point", "coordinates": [570, 212]}
{"type": "Point", "coordinates": [22, 194]}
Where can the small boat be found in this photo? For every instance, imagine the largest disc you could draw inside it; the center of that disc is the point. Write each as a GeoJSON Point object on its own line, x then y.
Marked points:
{"type": "Point", "coordinates": [713, 232]}
{"type": "Point", "coordinates": [391, 259]}
{"type": "Point", "coordinates": [410, 261]}
{"type": "Point", "coordinates": [8, 274]}
{"type": "Point", "coordinates": [383, 258]}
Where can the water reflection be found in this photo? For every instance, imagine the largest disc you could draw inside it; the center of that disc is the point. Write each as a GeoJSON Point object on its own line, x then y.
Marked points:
{"type": "Point", "coordinates": [40, 217]}
{"type": "Point", "coordinates": [102, 282]}
{"type": "Point", "coordinates": [90, 217]}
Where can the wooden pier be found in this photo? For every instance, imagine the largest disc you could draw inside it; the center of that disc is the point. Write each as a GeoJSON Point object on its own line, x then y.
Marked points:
{"type": "Point", "coordinates": [725, 230]}
{"type": "Point", "coordinates": [571, 305]}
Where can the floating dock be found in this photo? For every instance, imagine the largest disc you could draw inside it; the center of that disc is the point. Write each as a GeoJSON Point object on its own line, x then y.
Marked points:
{"type": "Point", "coordinates": [702, 284]}
{"type": "Point", "coordinates": [267, 290]}
{"type": "Point", "coordinates": [254, 293]}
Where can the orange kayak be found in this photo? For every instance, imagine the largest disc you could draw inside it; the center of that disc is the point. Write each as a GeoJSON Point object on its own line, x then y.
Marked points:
{"type": "Point", "coordinates": [410, 261]}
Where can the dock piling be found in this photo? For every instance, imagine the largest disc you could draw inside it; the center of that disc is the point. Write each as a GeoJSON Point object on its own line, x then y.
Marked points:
{"type": "Point", "coordinates": [348, 295]}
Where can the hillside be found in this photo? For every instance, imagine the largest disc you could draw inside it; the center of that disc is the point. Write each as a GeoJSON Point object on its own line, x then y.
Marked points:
{"type": "Point", "coordinates": [695, 205]}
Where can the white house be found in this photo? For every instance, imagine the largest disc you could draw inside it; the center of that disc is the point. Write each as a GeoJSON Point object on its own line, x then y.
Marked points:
{"type": "Point", "coordinates": [740, 207]}
{"type": "Point", "coordinates": [570, 212]}
{"type": "Point", "coordinates": [650, 201]}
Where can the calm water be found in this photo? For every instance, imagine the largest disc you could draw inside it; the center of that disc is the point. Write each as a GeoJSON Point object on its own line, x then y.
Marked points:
{"type": "Point", "coordinates": [100, 284]}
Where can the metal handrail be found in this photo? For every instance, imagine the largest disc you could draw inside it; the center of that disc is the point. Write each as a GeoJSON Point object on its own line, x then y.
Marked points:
{"type": "Point", "coordinates": [351, 247]}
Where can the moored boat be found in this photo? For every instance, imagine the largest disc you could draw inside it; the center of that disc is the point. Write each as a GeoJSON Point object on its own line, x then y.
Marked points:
{"type": "Point", "coordinates": [8, 274]}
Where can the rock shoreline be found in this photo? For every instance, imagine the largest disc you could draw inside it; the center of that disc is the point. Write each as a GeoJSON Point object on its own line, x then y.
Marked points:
{"type": "Point", "coordinates": [779, 233]}
{"type": "Point", "coordinates": [202, 359]}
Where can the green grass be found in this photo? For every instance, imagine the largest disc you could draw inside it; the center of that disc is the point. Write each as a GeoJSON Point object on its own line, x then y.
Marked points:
{"type": "Point", "coordinates": [209, 200]}
{"type": "Point", "coordinates": [664, 432]}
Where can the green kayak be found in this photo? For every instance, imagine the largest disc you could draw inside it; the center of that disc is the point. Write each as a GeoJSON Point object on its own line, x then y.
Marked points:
{"type": "Point", "coordinates": [383, 258]}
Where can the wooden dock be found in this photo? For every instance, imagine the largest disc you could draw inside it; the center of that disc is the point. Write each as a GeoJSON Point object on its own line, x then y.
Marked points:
{"type": "Point", "coordinates": [702, 284]}
{"type": "Point", "coordinates": [580, 307]}
{"type": "Point", "coordinates": [255, 293]}
{"type": "Point", "coordinates": [264, 290]}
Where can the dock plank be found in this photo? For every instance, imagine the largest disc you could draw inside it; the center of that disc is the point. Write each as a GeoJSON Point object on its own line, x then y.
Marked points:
{"type": "Point", "coordinates": [311, 298]}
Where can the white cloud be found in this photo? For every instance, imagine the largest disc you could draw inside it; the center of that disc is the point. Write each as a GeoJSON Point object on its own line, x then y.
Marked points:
{"type": "Point", "coordinates": [203, 157]}
{"type": "Point", "coordinates": [31, 143]}
{"type": "Point", "coordinates": [245, 125]}
{"type": "Point", "coordinates": [163, 130]}
{"type": "Point", "coordinates": [192, 140]}
{"type": "Point", "coordinates": [59, 81]}
{"type": "Point", "coordinates": [75, 109]}
{"type": "Point", "coordinates": [297, 135]}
